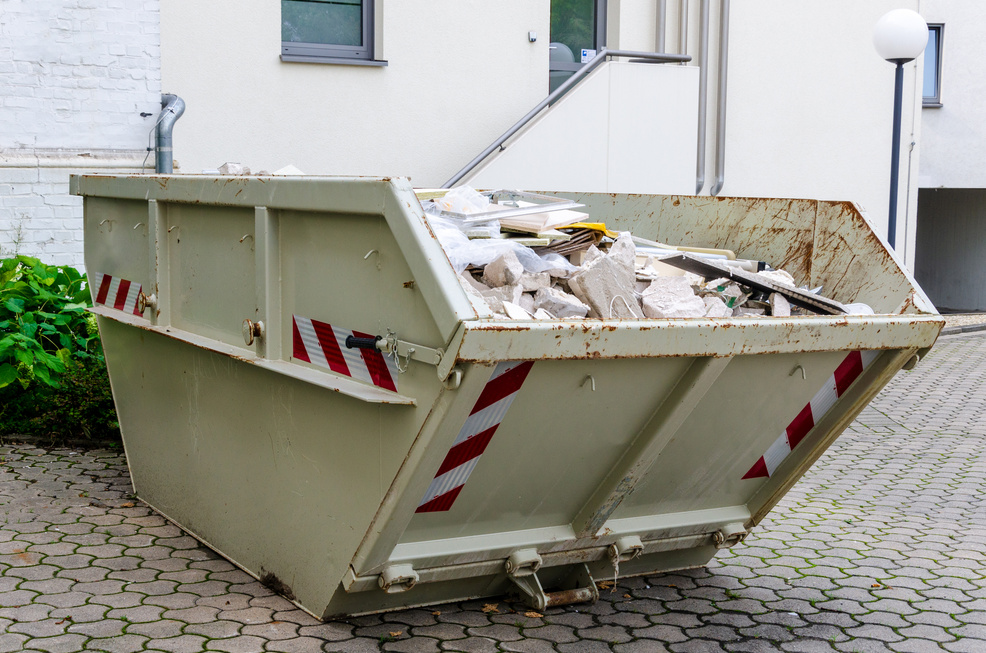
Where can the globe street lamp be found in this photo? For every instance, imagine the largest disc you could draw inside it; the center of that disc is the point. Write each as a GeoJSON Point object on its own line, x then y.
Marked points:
{"type": "Point", "coordinates": [899, 36]}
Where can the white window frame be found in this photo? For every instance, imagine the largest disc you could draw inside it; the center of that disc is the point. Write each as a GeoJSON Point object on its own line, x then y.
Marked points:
{"type": "Point", "coordinates": [338, 54]}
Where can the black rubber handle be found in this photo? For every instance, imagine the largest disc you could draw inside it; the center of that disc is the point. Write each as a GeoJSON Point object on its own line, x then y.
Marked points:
{"type": "Point", "coordinates": [353, 342]}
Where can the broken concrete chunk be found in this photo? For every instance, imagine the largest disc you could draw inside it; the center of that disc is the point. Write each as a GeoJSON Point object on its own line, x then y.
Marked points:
{"type": "Point", "coordinates": [504, 270]}
{"type": "Point", "coordinates": [742, 311]}
{"type": "Point", "coordinates": [472, 283]}
{"type": "Point", "coordinates": [515, 312]}
{"type": "Point", "coordinates": [779, 306]}
{"type": "Point", "coordinates": [534, 281]}
{"type": "Point", "coordinates": [541, 314]}
{"type": "Point", "coordinates": [590, 255]}
{"type": "Point", "coordinates": [623, 250]}
{"type": "Point", "coordinates": [527, 302]}
{"type": "Point", "coordinates": [672, 297]}
{"type": "Point", "coordinates": [505, 293]}
{"type": "Point", "coordinates": [559, 303]}
{"type": "Point", "coordinates": [779, 276]}
{"type": "Point", "coordinates": [229, 168]}
{"type": "Point", "coordinates": [606, 285]}
{"type": "Point", "coordinates": [715, 307]}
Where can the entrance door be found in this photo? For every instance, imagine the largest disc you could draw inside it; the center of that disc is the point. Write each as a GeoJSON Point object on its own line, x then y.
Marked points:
{"type": "Point", "coordinates": [576, 25]}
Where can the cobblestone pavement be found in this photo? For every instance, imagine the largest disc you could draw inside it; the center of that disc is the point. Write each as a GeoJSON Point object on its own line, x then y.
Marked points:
{"type": "Point", "coordinates": [879, 548]}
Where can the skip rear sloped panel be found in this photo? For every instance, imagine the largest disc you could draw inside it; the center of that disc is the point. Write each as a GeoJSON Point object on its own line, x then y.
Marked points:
{"type": "Point", "coordinates": [552, 448]}
{"type": "Point", "coordinates": [752, 402]}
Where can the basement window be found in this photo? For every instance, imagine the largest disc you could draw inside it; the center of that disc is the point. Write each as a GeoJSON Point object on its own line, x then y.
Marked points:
{"type": "Point", "coordinates": [328, 31]}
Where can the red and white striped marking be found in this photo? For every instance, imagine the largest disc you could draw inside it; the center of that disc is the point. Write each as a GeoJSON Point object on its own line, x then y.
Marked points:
{"type": "Point", "coordinates": [476, 433]}
{"type": "Point", "coordinates": [114, 291]}
{"type": "Point", "coordinates": [324, 345]}
{"type": "Point", "coordinates": [847, 372]}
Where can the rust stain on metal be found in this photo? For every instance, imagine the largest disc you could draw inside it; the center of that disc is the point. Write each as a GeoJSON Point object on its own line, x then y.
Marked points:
{"type": "Point", "coordinates": [568, 597]}
{"type": "Point", "coordinates": [409, 284]}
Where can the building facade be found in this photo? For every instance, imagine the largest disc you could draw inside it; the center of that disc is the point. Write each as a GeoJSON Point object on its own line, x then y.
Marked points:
{"type": "Point", "coordinates": [419, 89]}
{"type": "Point", "coordinates": [951, 218]}
{"type": "Point", "coordinates": [80, 88]}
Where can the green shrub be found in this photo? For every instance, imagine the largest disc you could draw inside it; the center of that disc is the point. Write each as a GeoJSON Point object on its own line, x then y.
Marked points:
{"type": "Point", "coordinates": [53, 381]}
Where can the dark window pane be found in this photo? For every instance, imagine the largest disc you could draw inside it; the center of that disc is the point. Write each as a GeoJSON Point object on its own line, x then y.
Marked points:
{"type": "Point", "coordinates": [332, 22]}
{"type": "Point", "coordinates": [573, 22]}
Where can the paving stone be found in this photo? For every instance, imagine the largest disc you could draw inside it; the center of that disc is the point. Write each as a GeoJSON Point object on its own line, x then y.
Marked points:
{"type": "Point", "coordinates": [121, 644]}
{"type": "Point", "coordinates": [68, 643]}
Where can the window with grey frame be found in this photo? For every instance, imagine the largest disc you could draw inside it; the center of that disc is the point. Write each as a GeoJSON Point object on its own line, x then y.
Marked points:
{"type": "Point", "coordinates": [932, 66]}
{"type": "Point", "coordinates": [327, 31]}
{"type": "Point", "coordinates": [576, 25]}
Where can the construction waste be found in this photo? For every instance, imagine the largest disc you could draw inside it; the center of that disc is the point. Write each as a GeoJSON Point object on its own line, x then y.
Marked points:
{"type": "Point", "coordinates": [522, 256]}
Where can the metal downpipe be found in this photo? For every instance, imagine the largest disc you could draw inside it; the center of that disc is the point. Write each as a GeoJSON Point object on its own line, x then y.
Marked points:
{"type": "Point", "coordinates": [703, 94]}
{"type": "Point", "coordinates": [682, 26]}
{"type": "Point", "coordinates": [662, 26]}
{"type": "Point", "coordinates": [721, 109]}
{"type": "Point", "coordinates": [172, 107]}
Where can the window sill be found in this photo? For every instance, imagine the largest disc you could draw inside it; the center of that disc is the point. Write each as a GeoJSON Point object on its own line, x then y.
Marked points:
{"type": "Point", "coordinates": [300, 58]}
{"type": "Point", "coordinates": [932, 105]}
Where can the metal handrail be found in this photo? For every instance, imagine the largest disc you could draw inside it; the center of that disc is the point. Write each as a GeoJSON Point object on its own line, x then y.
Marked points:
{"type": "Point", "coordinates": [592, 64]}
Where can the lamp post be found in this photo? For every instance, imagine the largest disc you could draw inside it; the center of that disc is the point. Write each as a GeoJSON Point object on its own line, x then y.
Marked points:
{"type": "Point", "coordinates": [899, 36]}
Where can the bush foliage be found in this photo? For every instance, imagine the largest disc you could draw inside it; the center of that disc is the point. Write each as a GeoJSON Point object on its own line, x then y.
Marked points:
{"type": "Point", "coordinates": [53, 380]}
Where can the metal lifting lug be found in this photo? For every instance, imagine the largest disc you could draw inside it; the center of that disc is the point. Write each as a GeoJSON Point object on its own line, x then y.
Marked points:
{"type": "Point", "coordinates": [625, 549]}
{"type": "Point", "coordinates": [729, 535]}
{"type": "Point", "coordinates": [397, 578]}
{"type": "Point", "coordinates": [523, 562]}
{"type": "Point", "coordinates": [584, 590]}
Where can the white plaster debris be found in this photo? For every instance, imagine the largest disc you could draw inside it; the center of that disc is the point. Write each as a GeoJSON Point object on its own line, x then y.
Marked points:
{"type": "Point", "coordinates": [779, 276]}
{"type": "Point", "coordinates": [611, 282]}
{"type": "Point", "coordinates": [560, 303]}
{"type": "Point", "coordinates": [606, 282]}
{"type": "Point", "coordinates": [505, 270]}
{"type": "Point", "coordinates": [515, 312]}
{"type": "Point", "coordinates": [230, 168]}
{"type": "Point", "coordinates": [533, 282]}
{"type": "Point", "coordinates": [779, 306]}
{"type": "Point", "coordinates": [672, 297]}
{"type": "Point", "coordinates": [715, 307]}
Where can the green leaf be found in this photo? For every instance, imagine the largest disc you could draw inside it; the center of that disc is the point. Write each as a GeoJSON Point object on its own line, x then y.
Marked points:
{"type": "Point", "coordinates": [8, 374]}
{"type": "Point", "coordinates": [42, 374]}
{"type": "Point", "coordinates": [15, 305]}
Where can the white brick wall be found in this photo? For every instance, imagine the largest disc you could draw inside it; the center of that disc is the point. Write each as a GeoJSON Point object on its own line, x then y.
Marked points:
{"type": "Point", "coordinates": [75, 75]}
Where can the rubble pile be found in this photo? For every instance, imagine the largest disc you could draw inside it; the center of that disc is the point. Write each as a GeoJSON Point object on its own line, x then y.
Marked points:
{"type": "Point", "coordinates": [512, 267]}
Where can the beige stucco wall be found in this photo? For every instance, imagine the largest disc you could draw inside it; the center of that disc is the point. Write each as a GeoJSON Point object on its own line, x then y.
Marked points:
{"type": "Point", "coordinates": [459, 73]}
{"type": "Point", "coordinates": [954, 143]}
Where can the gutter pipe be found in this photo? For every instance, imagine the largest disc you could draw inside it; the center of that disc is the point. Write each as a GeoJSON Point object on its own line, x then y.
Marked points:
{"type": "Point", "coordinates": [172, 107]}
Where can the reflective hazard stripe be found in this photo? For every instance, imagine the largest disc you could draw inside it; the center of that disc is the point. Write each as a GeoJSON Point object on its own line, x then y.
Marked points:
{"type": "Point", "coordinates": [324, 345]}
{"type": "Point", "coordinates": [475, 435]}
{"type": "Point", "coordinates": [114, 292]}
{"type": "Point", "coordinates": [835, 386]}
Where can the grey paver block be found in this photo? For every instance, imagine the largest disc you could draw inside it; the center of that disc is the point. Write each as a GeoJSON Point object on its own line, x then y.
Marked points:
{"type": "Point", "coordinates": [179, 644]}
{"type": "Point", "coordinates": [101, 628]}
{"type": "Point", "coordinates": [121, 644]}
{"type": "Point", "coordinates": [162, 629]}
{"type": "Point", "coordinates": [528, 646]}
{"type": "Point", "coordinates": [244, 644]}
{"type": "Point", "coordinates": [215, 629]}
{"type": "Point", "coordinates": [296, 645]}
{"type": "Point", "coordinates": [445, 631]}
{"type": "Point", "coordinates": [467, 645]}
{"type": "Point", "coordinates": [67, 643]}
